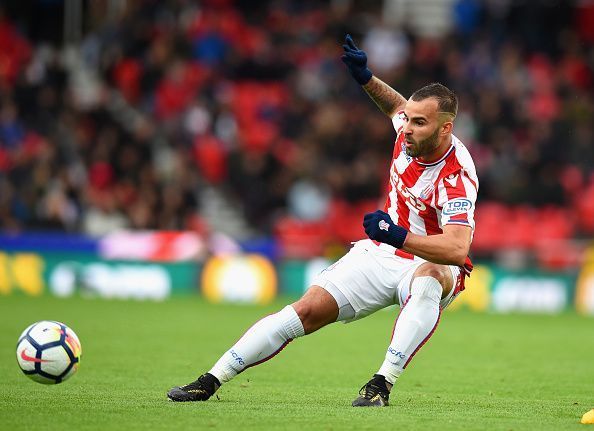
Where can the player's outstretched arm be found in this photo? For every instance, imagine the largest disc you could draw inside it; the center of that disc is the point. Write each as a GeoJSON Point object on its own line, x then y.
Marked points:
{"type": "Point", "coordinates": [388, 100]}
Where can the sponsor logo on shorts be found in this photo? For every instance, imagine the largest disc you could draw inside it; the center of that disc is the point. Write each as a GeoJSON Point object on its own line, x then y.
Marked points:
{"type": "Point", "coordinates": [457, 206]}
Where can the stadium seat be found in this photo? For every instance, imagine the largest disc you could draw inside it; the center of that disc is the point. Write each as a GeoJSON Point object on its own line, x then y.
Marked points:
{"type": "Point", "coordinates": [584, 205]}
{"type": "Point", "coordinates": [489, 217]}
{"type": "Point", "coordinates": [554, 224]}
{"type": "Point", "coordinates": [520, 231]}
{"type": "Point", "coordinates": [299, 239]}
{"type": "Point", "coordinates": [347, 219]}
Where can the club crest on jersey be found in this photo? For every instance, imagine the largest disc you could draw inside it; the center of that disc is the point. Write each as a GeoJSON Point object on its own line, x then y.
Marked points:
{"type": "Point", "coordinates": [457, 206]}
{"type": "Point", "coordinates": [427, 192]}
{"type": "Point", "coordinates": [383, 225]}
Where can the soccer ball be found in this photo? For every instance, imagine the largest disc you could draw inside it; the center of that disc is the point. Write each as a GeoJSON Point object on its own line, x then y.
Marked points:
{"type": "Point", "coordinates": [48, 352]}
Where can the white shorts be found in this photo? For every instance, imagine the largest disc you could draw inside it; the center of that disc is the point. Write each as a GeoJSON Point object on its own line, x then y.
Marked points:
{"type": "Point", "coordinates": [371, 277]}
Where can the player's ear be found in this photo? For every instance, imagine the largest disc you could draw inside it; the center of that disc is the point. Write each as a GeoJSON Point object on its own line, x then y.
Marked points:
{"type": "Point", "coordinates": [447, 127]}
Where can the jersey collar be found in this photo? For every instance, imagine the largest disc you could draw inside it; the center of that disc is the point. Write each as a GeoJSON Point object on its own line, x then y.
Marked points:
{"type": "Point", "coordinates": [448, 152]}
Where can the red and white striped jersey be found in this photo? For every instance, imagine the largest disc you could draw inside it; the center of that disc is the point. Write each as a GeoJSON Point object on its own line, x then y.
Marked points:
{"type": "Point", "coordinates": [424, 197]}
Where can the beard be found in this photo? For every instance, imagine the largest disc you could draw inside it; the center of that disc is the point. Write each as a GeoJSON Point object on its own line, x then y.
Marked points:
{"type": "Point", "coordinates": [424, 147]}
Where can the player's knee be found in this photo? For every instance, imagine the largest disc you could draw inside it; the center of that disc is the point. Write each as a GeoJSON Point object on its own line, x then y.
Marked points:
{"type": "Point", "coordinates": [316, 311]}
{"type": "Point", "coordinates": [306, 313]}
{"type": "Point", "coordinates": [440, 273]}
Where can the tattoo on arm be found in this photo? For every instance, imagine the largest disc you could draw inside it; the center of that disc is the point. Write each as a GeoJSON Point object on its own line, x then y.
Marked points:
{"type": "Point", "coordinates": [388, 100]}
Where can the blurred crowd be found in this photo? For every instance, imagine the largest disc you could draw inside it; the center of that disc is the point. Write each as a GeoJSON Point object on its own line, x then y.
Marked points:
{"type": "Point", "coordinates": [158, 101]}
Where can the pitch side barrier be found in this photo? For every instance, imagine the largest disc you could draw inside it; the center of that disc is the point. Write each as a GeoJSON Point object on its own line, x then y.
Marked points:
{"type": "Point", "coordinates": [156, 265]}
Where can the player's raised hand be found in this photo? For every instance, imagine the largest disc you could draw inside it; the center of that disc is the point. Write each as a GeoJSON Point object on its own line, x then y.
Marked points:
{"type": "Point", "coordinates": [380, 227]}
{"type": "Point", "coordinates": [356, 61]}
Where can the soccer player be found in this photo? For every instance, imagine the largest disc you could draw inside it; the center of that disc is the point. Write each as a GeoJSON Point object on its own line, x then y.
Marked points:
{"type": "Point", "coordinates": [416, 254]}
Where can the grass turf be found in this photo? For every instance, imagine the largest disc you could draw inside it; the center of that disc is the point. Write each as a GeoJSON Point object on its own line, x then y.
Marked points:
{"type": "Point", "coordinates": [479, 371]}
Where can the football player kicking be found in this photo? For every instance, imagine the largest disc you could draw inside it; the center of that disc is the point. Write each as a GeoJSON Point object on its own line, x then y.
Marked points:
{"type": "Point", "coordinates": [416, 254]}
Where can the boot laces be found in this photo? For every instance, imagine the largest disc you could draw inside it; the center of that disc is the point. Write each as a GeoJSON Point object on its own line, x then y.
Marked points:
{"type": "Point", "coordinates": [371, 389]}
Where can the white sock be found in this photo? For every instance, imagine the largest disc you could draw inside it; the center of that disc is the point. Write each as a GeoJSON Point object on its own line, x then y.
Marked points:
{"type": "Point", "coordinates": [261, 342]}
{"type": "Point", "coordinates": [415, 324]}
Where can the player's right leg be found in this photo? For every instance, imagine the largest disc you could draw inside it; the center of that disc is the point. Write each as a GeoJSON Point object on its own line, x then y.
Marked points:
{"type": "Point", "coordinates": [430, 289]}
{"type": "Point", "coordinates": [262, 341]}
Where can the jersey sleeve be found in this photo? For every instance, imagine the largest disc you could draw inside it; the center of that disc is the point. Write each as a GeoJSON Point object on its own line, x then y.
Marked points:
{"type": "Point", "coordinates": [457, 198]}
{"type": "Point", "coordinates": [398, 121]}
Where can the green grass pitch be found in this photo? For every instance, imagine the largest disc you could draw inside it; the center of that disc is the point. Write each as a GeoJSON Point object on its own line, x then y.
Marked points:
{"type": "Point", "coordinates": [478, 372]}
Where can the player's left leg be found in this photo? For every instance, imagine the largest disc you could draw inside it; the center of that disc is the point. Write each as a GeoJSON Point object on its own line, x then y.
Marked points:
{"type": "Point", "coordinates": [416, 323]}
{"type": "Point", "coordinates": [262, 341]}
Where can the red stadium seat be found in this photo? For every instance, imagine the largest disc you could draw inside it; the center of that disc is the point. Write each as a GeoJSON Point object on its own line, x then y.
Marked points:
{"type": "Point", "coordinates": [346, 219]}
{"type": "Point", "coordinates": [560, 255]}
{"type": "Point", "coordinates": [520, 232]}
{"type": "Point", "coordinates": [252, 102]}
{"type": "Point", "coordinates": [584, 205]}
{"type": "Point", "coordinates": [554, 224]}
{"type": "Point", "coordinates": [489, 217]}
{"type": "Point", "coordinates": [300, 239]}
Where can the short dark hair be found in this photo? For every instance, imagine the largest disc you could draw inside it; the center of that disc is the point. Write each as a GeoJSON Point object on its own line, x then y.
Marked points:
{"type": "Point", "coordinates": [447, 101]}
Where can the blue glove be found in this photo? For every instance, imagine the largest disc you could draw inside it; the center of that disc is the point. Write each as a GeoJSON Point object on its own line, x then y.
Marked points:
{"type": "Point", "coordinates": [380, 227]}
{"type": "Point", "coordinates": [356, 61]}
